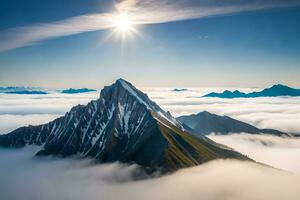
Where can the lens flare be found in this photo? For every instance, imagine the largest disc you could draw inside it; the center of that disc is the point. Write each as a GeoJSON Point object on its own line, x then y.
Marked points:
{"type": "Point", "coordinates": [123, 23]}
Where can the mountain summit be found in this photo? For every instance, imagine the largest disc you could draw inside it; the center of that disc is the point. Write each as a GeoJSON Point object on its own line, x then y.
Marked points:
{"type": "Point", "coordinates": [207, 123]}
{"type": "Point", "coordinates": [122, 125]}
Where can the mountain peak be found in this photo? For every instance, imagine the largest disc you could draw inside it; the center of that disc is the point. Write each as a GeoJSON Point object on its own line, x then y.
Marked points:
{"type": "Point", "coordinates": [122, 80]}
{"type": "Point", "coordinates": [207, 123]}
{"type": "Point", "coordinates": [131, 89]}
{"type": "Point", "coordinates": [204, 113]}
{"type": "Point", "coordinates": [280, 86]}
{"type": "Point", "coordinates": [138, 95]}
{"type": "Point", "coordinates": [125, 84]}
{"type": "Point", "coordinates": [122, 125]}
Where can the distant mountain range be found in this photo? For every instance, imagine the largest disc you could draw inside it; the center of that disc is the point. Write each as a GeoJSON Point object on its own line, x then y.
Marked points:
{"type": "Point", "coordinates": [179, 90]}
{"type": "Point", "coordinates": [21, 90]}
{"type": "Point", "coordinates": [12, 88]}
{"type": "Point", "coordinates": [206, 123]}
{"type": "Point", "coordinates": [274, 91]}
{"type": "Point", "coordinates": [122, 125]}
{"type": "Point", "coordinates": [26, 92]}
{"type": "Point", "coordinates": [77, 91]}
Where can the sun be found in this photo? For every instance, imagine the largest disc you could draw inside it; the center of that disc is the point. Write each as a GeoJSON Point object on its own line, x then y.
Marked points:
{"type": "Point", "coordinates": [123, 23]}
{"type": "Point", "coordinates": [124, 26]}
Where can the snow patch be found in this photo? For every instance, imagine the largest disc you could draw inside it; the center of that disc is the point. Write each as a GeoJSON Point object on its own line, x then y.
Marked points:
{"type": "Point", "coordinates": [131, 91]}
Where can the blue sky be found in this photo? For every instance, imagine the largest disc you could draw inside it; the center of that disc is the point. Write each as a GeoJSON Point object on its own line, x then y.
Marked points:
{"type": "Point", "coordinates": [180, 44]}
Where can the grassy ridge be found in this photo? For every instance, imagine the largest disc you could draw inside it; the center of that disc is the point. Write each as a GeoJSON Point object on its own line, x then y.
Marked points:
{"type": "Point", "coordinates": [186, 150]}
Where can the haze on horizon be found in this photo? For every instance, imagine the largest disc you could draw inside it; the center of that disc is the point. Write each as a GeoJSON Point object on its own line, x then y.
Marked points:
{"type": "Point", "coordinates": [59, 44]}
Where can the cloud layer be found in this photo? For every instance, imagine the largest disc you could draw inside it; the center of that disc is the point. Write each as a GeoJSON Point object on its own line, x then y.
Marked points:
{"type": "Point", "coordinates": [282, 153]}
{"type": "Point", "coordinates": [22, 110]}
{"type": "Point", "coordinates": [279, 113]}
{"type": "Point", "coordinates": [142, 12]}
{"type": "Point", "coordinates": [23, 177]}
{"type": "Point", "coordinates": [282, 113]}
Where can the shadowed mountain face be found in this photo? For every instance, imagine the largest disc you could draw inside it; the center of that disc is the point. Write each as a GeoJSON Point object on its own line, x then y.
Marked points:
{"type": "Point", "coordinates": [122, 125]}
{"type": "Point", "coordinates": [274, 91]}
{"type": "Point", "coordinates": [206, 123]}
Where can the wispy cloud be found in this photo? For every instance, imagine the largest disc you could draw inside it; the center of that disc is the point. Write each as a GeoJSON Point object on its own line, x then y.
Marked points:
{"type": "Point", "coordinates": [25, 36]}
{"type": "Point", "coordinates": [152, 11]}
{"type": "Point", "coordinates": [142, 12]}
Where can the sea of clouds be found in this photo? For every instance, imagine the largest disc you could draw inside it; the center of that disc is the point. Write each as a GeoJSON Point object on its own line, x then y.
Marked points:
{"type": "Point", "coordinates": [282, 153]}
{"type": "Point", "coordinates": [24, 177]}
{"type": "Point", "coordinates": [282, 113]}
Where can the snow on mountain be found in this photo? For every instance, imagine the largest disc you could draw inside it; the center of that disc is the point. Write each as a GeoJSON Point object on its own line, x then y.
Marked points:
{"type": "Point", "coordinates": [122, 125]}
